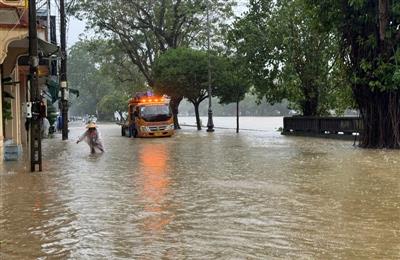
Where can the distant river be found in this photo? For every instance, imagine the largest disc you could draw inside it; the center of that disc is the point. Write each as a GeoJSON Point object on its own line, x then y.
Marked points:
{"type": "Point", "coordinates": [245, 123]}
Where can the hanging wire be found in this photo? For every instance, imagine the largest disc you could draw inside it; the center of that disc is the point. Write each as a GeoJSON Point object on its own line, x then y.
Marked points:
{"type": "Point", "coordinates": [70, 4]}
{"type": "Point", "coordinates": [58, 6]}
{"type": "Point", "coordinates": [41, 4]}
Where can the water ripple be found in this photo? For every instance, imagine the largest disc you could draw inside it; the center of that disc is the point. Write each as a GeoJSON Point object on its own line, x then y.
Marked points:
{"type": "Point", "coordinates": [255, 195]}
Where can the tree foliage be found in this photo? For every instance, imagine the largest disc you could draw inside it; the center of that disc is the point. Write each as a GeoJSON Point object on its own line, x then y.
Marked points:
{"type": "Point", "coordinates": [103, 76]}
{"type": "Point", "coordinates": [183, 72]}
{"type": "Point", "coordinates": [289, 56]}
{"type": "Point", "coordinates": [232, 83]}
{"type": "Point", "coordinates": [370, 51]}
{"type": "Point", "coordinates": [145, 29]}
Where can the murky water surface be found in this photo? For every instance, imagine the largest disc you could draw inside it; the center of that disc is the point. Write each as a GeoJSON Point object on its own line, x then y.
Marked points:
{"type": "Point", "coordinates": [254, 195]}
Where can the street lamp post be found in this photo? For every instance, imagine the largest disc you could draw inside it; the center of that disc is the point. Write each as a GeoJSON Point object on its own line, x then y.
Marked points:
{"type": "Point", "coordinates": [210, 124]}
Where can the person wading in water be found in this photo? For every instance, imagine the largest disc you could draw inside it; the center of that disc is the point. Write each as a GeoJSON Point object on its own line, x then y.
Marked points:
{"type": "Point", "coordinates": [92, 137]}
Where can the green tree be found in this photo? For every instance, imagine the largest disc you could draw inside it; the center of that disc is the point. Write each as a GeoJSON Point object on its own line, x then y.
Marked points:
{"type": "Point", "coordinates": [289, 56]}
{"type": "Point", "coordinates": [183, 72]}
{"type": "Point", "coordinates": [145, 29]}
{"type": "Point", "coordinates": [85, 75]}
{"type": "Point", "coordinates": [232, 84]}
{"type": "Point", "coordinates": [115, 101]}
{"type": "Point", "coordinates": [104, 77]}
{"type": "Point", "coordinates": [370, 51]}
{"type": "Point", "coordinates": [116, 64]}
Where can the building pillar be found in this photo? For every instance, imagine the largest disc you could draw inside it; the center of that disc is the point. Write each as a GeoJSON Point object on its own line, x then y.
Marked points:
{"type": "Point", "coordinates": [22, 95]}
{"type": "Point", "coordinates": [16, 109]}
{"type": "Point", "coordinates": [8, 124]}
{"type": "Point", "coordinates": [1, 108]}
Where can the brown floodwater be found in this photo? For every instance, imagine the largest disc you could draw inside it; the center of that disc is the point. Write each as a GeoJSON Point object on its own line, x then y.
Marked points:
{"type": "Point", "coordinates": [252, 195]}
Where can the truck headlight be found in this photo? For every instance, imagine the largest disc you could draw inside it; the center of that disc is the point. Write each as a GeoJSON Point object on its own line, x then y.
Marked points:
{"type": "Point", "coordinates": [144, 129]}
{"type": "Point", "coordinates": [170, 127]}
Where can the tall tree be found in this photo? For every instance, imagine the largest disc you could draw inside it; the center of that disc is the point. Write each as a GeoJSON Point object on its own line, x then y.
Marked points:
{"type": "Point", "coordinates": [85, 76]}
{"type": "Point", "coordinates": [232, 83]}
{"type": "Point", "coordinates": [103, 76]}
{"type": "Point", "coordinates": [145, 29]}
{"type": "Point", "coordinates": [370, 48]}
{"type": "Point", "coordinates": [288, 55]}
{"type": "Point", "coordinates": [183, 72]}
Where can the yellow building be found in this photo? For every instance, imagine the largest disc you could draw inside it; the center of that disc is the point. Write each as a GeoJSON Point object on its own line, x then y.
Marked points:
{"type": "Point", "coordinates": [14, 48]}
{"type": "Point", "coordinates": [13, 28]}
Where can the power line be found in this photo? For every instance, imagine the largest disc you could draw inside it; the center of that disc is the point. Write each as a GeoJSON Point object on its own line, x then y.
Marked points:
{"type": "Point", "coordinates": [41, 4]}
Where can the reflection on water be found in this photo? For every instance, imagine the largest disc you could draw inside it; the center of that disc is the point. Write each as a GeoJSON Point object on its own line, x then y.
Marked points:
{"type": "Point", "coordinates": [155, 184]}
{"type": "Point", "coordinates": [199, 195]}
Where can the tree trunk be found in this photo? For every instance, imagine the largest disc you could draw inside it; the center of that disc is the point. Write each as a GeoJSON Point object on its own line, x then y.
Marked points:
{"type": "Point", "coordinates": [310, 102]}
{"type": "Point", "coordinates": [175, 101]}
{"type": "Point", "coordinates": [379, 108]}
{"type": "Point", "coordinates": [310, 107]}
{"type": "Point", "coordinates": [383, 18]}
{"type": "Point", "coordinates": [380, 112]}
{"type": "Point", "coordinates": [196, 111]}
{"type": "Point", "coordinates": [237, 116]}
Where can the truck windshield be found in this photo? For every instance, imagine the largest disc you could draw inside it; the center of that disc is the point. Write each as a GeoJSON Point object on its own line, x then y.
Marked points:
{"type": "Point", "coordinates": [155, 113]}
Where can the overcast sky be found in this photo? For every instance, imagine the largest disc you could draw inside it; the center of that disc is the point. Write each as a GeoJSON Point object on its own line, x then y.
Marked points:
{"type": "Point", "coordinates": [77, 28]}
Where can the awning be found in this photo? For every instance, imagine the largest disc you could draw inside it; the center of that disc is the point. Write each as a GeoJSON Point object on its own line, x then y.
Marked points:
{"type": "Point", "coordinates": [48, 49]}
{"type": "Point", "coordinates": [45, 49]}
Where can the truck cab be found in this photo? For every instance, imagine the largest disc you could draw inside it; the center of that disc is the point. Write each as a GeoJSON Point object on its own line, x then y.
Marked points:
{"type": "Point", "coordinates": [148, 116]}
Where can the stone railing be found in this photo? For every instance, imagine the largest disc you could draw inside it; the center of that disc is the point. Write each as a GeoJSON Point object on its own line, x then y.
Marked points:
{"type": "Point", "coordinates": [322, 126]}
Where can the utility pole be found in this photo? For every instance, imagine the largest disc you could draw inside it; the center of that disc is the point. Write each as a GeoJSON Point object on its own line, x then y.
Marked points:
{"type": "Point", "coordinates": [210, 124]}
{"type": "Point", "coordinates": [63, 73]}
{"type": "Point", "coordinates": [35, 131]}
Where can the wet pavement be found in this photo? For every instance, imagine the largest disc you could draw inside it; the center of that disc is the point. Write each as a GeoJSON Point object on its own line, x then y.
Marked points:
{"type": "Point", "coordinates": [252, 195]}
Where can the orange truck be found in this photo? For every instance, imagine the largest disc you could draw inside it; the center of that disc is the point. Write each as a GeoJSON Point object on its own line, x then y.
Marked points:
{"type": "Point", "coordinates": [148, 116]}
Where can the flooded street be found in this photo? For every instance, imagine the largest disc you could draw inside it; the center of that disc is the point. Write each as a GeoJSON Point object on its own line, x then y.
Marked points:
{"type": "Point", "coordinates": [252, 195]}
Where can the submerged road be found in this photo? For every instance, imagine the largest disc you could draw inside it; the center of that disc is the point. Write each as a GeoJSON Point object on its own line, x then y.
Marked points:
{"type": "Point", "coordinates": [252, 195]}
